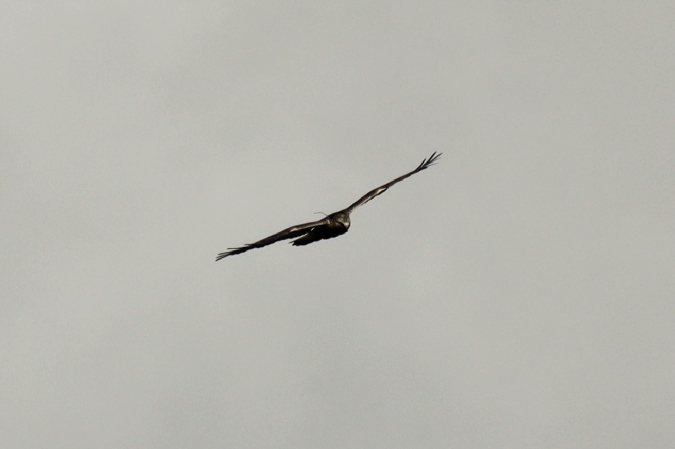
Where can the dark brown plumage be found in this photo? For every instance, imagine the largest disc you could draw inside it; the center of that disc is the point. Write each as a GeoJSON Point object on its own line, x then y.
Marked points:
{"type": "Point", "coordinates": [330, 226]}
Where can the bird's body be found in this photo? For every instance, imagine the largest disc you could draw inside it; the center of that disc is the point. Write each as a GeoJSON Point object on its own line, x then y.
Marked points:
{"type": "Point", "coordinates": [336, 225]}
{"type": "Point", "coordinates": [330, 226]}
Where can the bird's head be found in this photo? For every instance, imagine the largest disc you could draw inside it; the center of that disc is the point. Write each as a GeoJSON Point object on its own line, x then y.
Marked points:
{"type": "Point", "coordinates": [343, 219]}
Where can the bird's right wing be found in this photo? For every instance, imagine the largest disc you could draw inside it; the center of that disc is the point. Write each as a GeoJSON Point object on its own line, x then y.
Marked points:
{"type": "Point", "coordinates": [288, 233]}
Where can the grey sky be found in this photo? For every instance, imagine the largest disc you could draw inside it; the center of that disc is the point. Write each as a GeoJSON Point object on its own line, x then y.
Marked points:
{"type": "Point", "coordinates": [520, 294]}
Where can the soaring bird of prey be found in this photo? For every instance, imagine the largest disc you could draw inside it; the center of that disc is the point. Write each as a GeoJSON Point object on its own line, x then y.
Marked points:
{"type": "Point", "coordinates": [330, 226]}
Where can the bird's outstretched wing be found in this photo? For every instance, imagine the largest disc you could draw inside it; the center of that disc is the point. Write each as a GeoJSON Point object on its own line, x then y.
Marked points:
{"type": "Point", "coordinates": [426, 163]}
{"type": "Point", "coordinates": [289, 233]}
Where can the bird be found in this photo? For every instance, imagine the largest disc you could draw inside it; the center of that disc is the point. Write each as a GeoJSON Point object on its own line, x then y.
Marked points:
{"type": "Point", "coordinates": [332, 225]}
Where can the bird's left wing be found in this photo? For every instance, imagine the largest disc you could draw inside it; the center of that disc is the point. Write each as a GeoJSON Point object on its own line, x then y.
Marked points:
{"type": "Point", "coordinates": [426, 163]}
{"type": "Point", "coordinates": [288, 233]}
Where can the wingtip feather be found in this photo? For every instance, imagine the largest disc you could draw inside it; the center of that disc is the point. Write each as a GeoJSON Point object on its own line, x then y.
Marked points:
{"type": "Point", "coordinates": [431, 160]}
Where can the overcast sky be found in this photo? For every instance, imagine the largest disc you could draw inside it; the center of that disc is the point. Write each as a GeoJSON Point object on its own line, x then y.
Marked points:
{"type": "Point", "coordinates": [519, 294]}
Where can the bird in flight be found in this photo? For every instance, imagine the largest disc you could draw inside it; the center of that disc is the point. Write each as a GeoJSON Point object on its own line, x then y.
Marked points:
{"type": "Point", "coordinates": [330, 226]}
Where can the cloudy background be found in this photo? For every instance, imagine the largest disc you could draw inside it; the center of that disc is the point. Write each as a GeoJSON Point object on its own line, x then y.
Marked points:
{"type": "Point", "coordinates": [519, 294]}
